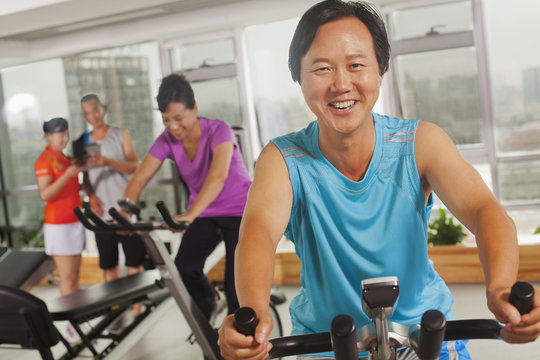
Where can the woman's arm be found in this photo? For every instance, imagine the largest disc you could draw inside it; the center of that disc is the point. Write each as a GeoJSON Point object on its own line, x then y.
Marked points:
{"type": "Point", "coordinates": [145, 171]}
{"type": "Point", "coordinates": [48, 188]}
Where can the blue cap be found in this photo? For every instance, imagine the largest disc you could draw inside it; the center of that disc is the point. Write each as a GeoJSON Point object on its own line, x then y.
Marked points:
{"type": "Point", "coordinates": [55, 125]}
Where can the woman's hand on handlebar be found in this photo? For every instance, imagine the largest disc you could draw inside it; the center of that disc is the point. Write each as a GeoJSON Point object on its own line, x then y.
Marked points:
{"type": "Point", "coordinates": [519, 328]}
{"type": "Point", "coordinates": [236, 346]}
{"type": "Point", "coordinates": [181, 218]}
{"type": "Point", "coordinates": [127, 216]}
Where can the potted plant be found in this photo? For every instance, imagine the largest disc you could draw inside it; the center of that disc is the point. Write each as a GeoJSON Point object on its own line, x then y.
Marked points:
{"type": "Point", "coordinates": [443, 231]}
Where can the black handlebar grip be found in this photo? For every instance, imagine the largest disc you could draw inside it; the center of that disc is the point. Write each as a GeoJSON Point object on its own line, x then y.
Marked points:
{"type": "Point", "coordinates": [432, 329]}
{"type": "Point", "coordinates": [343, 334]}
{"type": "Point", "coordinates": [87, 224]}
{"type": "Point", "coordinates": [245, 321]}
{"type": "Point", "coordinates": [121, 219]}
{"type": "Point", "coordinates": [162, 208]}
{"type": "Point", "coordinates": [521, 296]}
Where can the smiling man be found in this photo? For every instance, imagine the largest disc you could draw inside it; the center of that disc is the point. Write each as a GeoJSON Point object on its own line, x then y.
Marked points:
{"type": "Point", "coordinates": [353, 191]}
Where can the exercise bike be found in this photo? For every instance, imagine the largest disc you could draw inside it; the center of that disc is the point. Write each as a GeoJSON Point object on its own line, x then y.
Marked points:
{"type": "Point", "coordinates": [203, 331]}
{"type": "Point", "coordinates": [382, 338]}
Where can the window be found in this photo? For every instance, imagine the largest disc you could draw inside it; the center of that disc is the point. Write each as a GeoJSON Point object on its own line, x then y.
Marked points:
{"type": "Point", "coordinates": [279, 102]}
{"type": "Point", "coordinates": [212, 65]}
{"type": "Point", "coordinates": [125, 78]}
{"type": "Point", "coordinates": [469, 66]}
{"type": "Point", "coordinates": [442, 87]}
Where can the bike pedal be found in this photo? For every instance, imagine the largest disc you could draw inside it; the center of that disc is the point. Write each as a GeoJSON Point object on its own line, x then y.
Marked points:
{"type": "Point", "coordinates": [277, 297]}
{"type": "Point", "coordinates": [191, 339]}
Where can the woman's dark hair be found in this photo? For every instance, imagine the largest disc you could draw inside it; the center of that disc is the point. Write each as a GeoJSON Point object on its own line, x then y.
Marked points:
{"type": "Point", "coordinates": [332, 10]}
{"type": "Point", "coordinates": [175, 88]}
{"type": "Point", "coordinates": [55, 125]}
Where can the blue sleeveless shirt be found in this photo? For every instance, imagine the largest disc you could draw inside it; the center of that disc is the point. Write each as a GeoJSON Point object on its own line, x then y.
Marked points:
{"type": "Point", "coordinates": [346, 231]}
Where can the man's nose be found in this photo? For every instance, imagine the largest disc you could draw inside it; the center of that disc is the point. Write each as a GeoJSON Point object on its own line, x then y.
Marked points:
{"type": "Point", "coordinates": [342, 81]}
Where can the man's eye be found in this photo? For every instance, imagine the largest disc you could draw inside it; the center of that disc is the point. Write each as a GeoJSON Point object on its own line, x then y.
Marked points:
{"type": "Point", "coordinates": [322, 69]}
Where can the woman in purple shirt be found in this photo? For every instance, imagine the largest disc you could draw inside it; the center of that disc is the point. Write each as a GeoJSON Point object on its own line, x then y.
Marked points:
{"type": "Point", "coordinates": [210, 163]}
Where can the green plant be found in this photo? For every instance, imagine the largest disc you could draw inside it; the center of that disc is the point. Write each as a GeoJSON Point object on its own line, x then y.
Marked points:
{"type": "Point", "coordinates": [443, 231]}
{"type": "Point", "coordinates": [537, 231]}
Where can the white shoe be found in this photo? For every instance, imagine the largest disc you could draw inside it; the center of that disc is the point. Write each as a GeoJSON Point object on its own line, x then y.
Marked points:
{"type": "Point", "coordinates": [71, 335]}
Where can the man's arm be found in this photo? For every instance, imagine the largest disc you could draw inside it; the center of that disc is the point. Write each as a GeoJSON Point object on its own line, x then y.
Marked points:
{"type": "Point", "coordinates": [462, 190]}
{"type": "Point", "coordinates": [264, 221]}
{"type": "Point", "coordinates": [96, 205]}
{"type": "Point", "coordinates": [460, 187]}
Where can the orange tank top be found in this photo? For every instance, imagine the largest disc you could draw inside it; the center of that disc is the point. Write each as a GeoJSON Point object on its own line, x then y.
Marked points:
{"type": "Point", "coordinates": [58, 210]}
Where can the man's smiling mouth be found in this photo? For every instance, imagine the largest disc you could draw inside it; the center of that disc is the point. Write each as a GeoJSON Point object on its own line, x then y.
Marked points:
{"type": "Point", "coordinates": [342, 105]}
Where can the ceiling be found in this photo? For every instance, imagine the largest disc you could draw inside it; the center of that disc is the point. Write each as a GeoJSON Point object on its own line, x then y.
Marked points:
{"type": "Point", "coordinates": [34, 19]}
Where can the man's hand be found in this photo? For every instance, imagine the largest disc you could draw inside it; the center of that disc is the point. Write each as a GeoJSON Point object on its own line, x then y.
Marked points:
{"type": "Point", "coordinates": [95, 160]}
{"type": "Point", "coordinates": [236, 346]}
{"type": "Point", "coordinates": [519, 328]}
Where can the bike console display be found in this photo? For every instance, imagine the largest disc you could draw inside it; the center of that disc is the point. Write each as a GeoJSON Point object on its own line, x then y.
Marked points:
{"type": "Point", "coordinates": [379, 293]}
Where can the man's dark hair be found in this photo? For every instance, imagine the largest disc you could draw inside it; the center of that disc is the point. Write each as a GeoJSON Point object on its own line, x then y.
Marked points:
{"type": "Point", "coordinates": [90, 97]}
{"type": "Point", "coordinates": [332, 10]}
{"type": "Point", "coordinates": [175, 88]}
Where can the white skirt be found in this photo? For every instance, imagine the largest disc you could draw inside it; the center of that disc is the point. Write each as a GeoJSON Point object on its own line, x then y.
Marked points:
{"type": "Point", "coordinates": [64, 239]}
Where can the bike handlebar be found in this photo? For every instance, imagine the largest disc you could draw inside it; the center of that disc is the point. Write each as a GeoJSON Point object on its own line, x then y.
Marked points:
{"type": "Point", "coordinates": [521, 296]}
{"type": "Point", "coordinates": [426, 340]}
{"type": "Point", "coordinates": [93, 222]}
{"type": "Point", "coordinates": [343, 335]}
{"type": "Point", "coordinates": [431, 336]}
{"type": "Point", "coordinates": [160, 205]}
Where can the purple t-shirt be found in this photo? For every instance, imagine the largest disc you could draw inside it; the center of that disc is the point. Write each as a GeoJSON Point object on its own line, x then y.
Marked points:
{"type": "Point", "coordinates": [232, 198]}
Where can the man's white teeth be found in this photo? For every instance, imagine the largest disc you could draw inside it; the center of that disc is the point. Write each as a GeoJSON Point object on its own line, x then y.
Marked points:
{"type": "Point", "coordinates": [343, 104]}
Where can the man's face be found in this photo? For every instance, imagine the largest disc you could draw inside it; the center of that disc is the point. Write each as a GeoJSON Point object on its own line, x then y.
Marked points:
{"type": "Point", "coordinates": [340, 76]}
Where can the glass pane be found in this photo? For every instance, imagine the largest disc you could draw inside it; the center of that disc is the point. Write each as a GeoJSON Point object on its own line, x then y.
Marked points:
{"type": "Point", "coordinates": [210, 53]}
{"type": "Point", "coordinates": [419, 22]}
{"type": "Point", "coordinates": [519, 182]}
{"type": "Point", "coordinates": [442, 87]}
{"type": "Point", "coordinates": [124, 78]}
{"type": "Point", "coordinates": [515, 73]}
{"type": "Point", "coordinates": [33, 93]}
{"type": "Point", "coordinates": [26, 209]}
{"type": "Point", "coordinates": [218, 99]}
{"type": "Point", "coordinates": [527, 221]}
{"type": "Point", "coordinates": [2, 213]}
{"type": "Point", "coordinates": [152, 194]}
{"type": "Point", "coordinates": [485, 172]}
{"type": "Point", "coordinates": [279, 101]}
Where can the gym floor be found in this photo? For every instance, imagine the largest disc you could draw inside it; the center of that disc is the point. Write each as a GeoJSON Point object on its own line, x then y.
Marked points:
{"type": "Point", "coordinates": [162, 336]}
